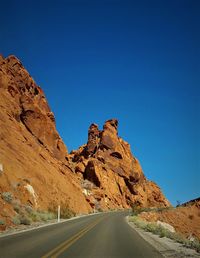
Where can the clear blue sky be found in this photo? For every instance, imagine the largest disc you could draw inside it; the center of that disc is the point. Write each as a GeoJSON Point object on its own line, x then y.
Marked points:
{"type": "Point", "coordinates": [138, 61]}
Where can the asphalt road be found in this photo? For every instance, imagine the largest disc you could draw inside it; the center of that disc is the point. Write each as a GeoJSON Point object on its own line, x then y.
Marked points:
{"type": "Point", "coordinates": [105, 235]}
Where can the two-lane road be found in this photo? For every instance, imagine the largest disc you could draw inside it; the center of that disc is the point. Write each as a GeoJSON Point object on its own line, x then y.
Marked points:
{"type": "Point", "coordinates": [102, 235]}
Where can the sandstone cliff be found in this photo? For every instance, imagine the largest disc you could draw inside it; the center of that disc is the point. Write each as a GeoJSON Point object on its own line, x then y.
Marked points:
{"type": "Point", "coordinates": [116, 175]}
{"type": "Point", "coordinates": [36, 169]}
{"type": "Point", "coordinates": [33, 156]}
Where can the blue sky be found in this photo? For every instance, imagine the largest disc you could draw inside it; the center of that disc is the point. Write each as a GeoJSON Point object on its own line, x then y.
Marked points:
{"type": "Point", "coordinates": [137, 61]}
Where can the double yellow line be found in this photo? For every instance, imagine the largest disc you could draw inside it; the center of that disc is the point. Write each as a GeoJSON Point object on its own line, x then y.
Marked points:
{"type": "Point", "coordinates": [54, 253]}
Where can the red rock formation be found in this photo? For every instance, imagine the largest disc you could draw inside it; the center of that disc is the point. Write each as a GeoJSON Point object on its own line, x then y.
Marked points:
{"type": "Point", "coordinates": [32, 108]}
{"type": "Point", "coordinates": [38, 171]}
{"type": "Point", "coordinates": [31, 151]}
{"type": "Point", "coordinates": [108, 163]}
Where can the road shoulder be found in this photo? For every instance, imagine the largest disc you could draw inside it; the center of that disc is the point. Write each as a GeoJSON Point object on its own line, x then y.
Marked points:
{"type": "Point", "coordinates": [166, 246]}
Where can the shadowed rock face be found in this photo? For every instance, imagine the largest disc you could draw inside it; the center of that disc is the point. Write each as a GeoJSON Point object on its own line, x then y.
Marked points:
{"type": "Point", "coordinates": [93, 139]}
{"type": "Point", "coordinates": [108, 163]}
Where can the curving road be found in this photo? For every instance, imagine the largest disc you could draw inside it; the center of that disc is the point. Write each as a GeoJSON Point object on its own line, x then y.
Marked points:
{"type": "Point", "coordinates": [105, 235]}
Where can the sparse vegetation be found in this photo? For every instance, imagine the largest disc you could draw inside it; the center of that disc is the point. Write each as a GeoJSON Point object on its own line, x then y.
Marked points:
{"type": "Point", "coordinates": [16, 208]}
{"type": "Point", "coordinates": [26, 214]}
{"type": "Point", "coordinates": [136, 209]}
{"type": "Point", "coordinates": [42, 216]}
{"type": "Point", "coordinates": [162, 232]}
{"type": "Point", "coordinates": [7, 196]}
{"type": "Point", "coordinates": [25, 220]}
{"type": "Point", "coordinates": [2, 222]}
{"type": "Point", "coordinates": [28, 209]}
{"type": "Point", "coordinates": [16, 220]}
{"type": "Point", "coordinates": [65, 211]}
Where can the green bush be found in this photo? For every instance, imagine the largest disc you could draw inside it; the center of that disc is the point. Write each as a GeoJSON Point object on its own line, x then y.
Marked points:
{"type": "Point", "coordinates": [7, 196]}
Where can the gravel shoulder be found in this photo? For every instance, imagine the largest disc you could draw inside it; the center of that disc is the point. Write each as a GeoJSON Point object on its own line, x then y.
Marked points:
{"type": "Point", "coordinates": [166, 246]}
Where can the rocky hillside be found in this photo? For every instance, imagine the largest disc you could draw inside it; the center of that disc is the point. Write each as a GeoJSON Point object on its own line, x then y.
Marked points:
{"type": "Point", "coordinates": [184, 218]}
{"type": "Point", "coordinates": [36, 169]}
{"type": "Point", "coordinates": [33, 156]}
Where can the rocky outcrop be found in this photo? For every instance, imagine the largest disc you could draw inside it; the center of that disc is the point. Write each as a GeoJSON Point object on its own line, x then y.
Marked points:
{"type": "Point", "coordinates": [106, 161]}
{"type": "Point", "coordinates": [31, 105]}
{"type": "Point", "coordinates": [33, 157]}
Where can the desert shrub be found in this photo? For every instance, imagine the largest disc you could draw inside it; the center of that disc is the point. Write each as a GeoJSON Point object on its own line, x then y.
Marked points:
{"type": "Point", "coordinates": [135, 209]}
{"type": "Point", "coordinates": [45, 215]}
{"type": "Point", "coordinates": [7, 196]}
{"type": "Point", "coordinates": [162, 232]}
{"type": "Point", "coordinates": [34, 216]}
{"type": "Point", "coordinates": [138, 222]}
{"type": "Point", "coordinates": [16, 208]}
{"type": "Point", "coordinates": [100, 210]}
{"type": "Point", "coordinates": [41, 215]}
{"type": "Point", "coordinates": [16, 220]}
{"type": "Point", "coordinates": [28, 209]}
{"type": "Point", "coordinates": [66, 212]}
{"type": "Point", "coordinates": [152, 227]}
{"type": "Point", "coordinates": [195, 244]}
{"type": "Point", "coordinates": [25, 220]}
{"type": "Point", "coordinates": [2, 222]}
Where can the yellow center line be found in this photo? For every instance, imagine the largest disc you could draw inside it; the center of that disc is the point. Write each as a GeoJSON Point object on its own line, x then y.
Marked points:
{"type": "Point", "coordinates": [66, 244]}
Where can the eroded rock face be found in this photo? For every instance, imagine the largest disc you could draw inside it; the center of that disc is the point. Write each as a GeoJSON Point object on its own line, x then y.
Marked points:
{"type": "Point", "coordinates": [35, 169]}
{"type": "Point", "coordinates": [108, 163]}
{"type": "Point", "coordinates": [32, 107]}
{"type": "Point", "coordinates": [93, 139]}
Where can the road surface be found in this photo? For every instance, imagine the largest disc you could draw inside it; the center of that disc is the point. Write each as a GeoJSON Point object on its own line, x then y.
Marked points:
{"type": "Point", "coordinates": [105, 235]}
